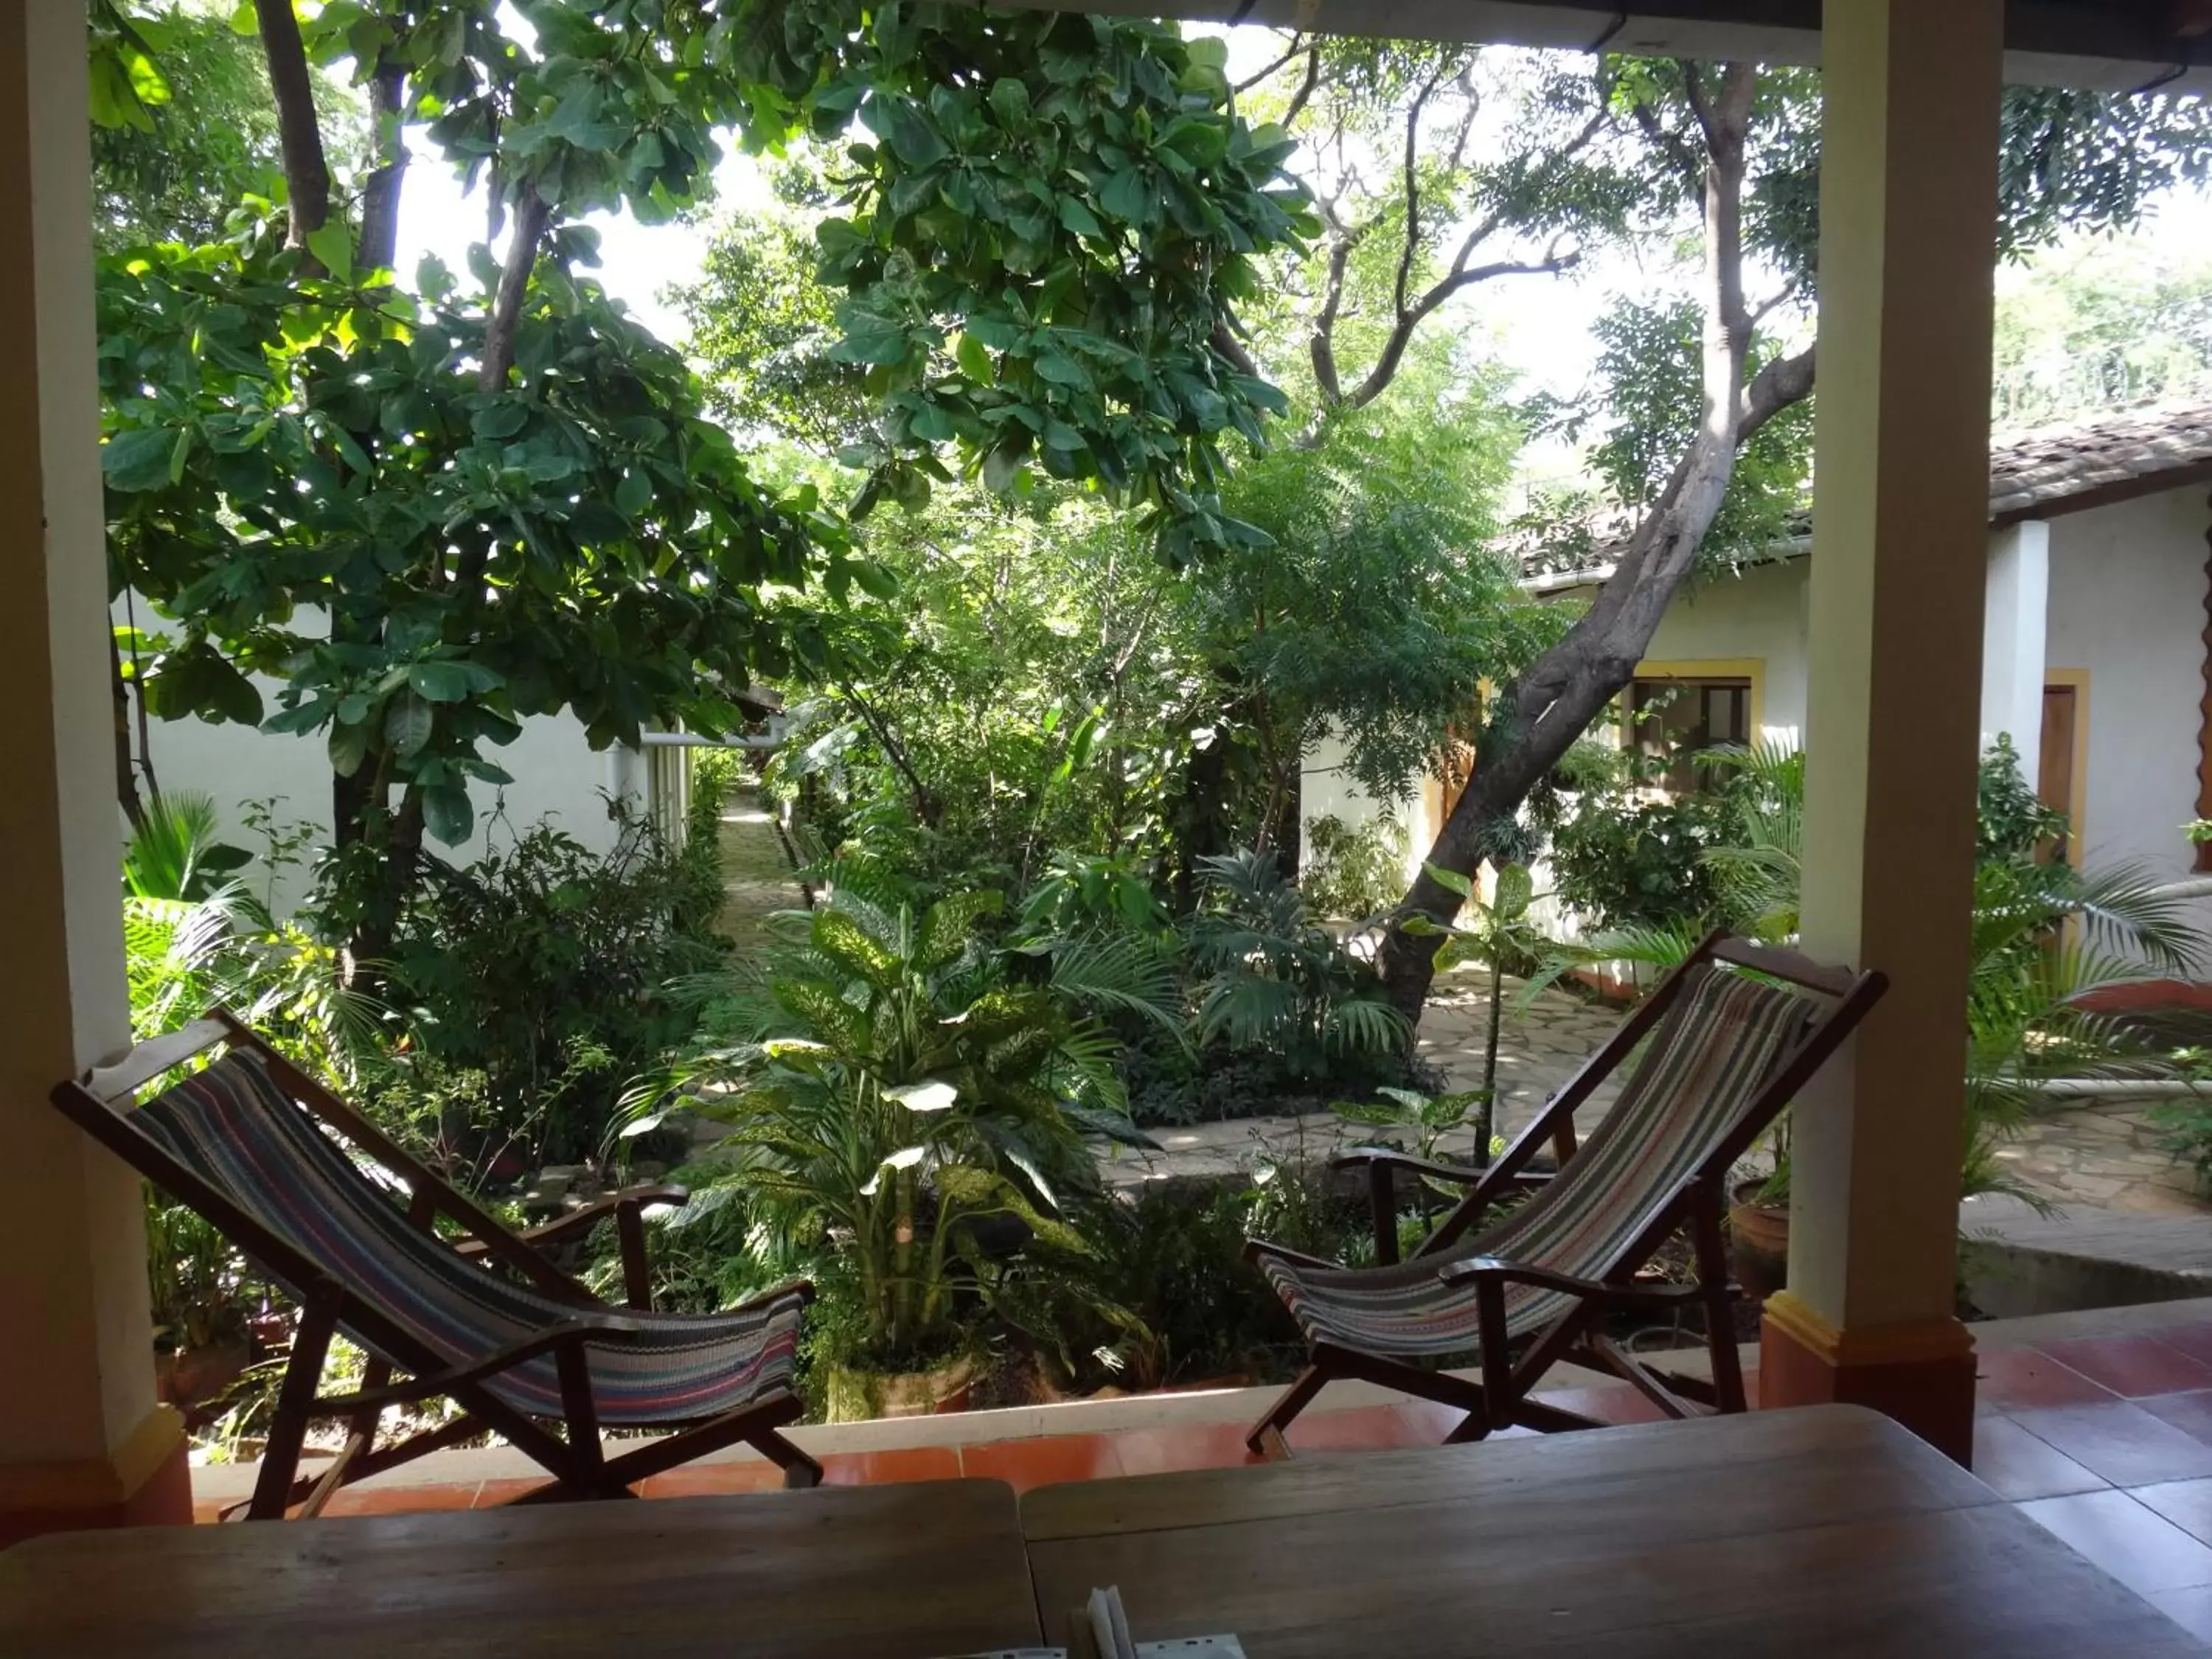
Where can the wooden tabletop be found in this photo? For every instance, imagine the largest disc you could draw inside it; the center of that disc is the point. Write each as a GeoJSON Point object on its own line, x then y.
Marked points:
{"type": "Point", "coordinates": [1810, 1533]}
{"type": "Point", "coordinates": [889, 1572]}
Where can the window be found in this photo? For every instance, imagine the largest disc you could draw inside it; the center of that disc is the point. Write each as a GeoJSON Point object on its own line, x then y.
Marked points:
{"type": "Point", "coordinates": [1672, 718]}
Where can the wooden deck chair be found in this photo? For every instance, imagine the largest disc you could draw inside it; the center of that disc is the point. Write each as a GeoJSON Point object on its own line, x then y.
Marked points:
{"type": "Point", "coordinates": [484, 1319]}
{"type": "Point", "coordinates": [1726, 1050]}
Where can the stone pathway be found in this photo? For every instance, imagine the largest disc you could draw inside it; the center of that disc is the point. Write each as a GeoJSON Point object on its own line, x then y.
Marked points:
{"type": "Point", "coordinates": [1538, 1049]}
{"type": "Point", "coordinates": [758, 879]}
{"type": "Point", "coordinates": [2106, 1156]}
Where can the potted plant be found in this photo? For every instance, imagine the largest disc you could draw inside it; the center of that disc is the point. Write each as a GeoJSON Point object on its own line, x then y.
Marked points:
{"type": "Point", "coordinates": [909, 1114]}
{"type": "Point", "coordinates": [1758, 1223]}
{"type": "Point", "coordinates": [201, 1306]}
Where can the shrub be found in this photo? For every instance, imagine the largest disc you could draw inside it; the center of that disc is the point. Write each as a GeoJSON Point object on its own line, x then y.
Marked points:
{"type": "Point", "coordinates": [1169, 1085]}
{"type": "Point", "coordinates": [534, 985]}
{"type": "Point", "coordinates": [1172, 1254]}
{"type": "Point", "coordinates": [1271, 979]}
{"type": "Point", "coordinates": [905, 1111]}
{"type": "Point", "coordinates": [1353, 870]}
{"type": "Point", "coordinates": [1627, 866]}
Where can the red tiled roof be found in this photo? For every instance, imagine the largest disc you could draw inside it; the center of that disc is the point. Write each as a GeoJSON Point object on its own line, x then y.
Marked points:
{"type": "Point", "coordinates": [2040, 474]}
{"type": "Point", "coordinates": [2133, 452]}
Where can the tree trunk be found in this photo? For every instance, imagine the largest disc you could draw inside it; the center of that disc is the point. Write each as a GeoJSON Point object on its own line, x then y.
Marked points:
{"type": "Point", "coordinates": [126, 775]}
{"type": "Point", "coordinates": [531, 216]}
{"type": "Point", "coordinates": [300, 133]}
{"type": "Point", "coordinates": [1533, 722]}
{"type": "Point", "coordinates": [381, 192]}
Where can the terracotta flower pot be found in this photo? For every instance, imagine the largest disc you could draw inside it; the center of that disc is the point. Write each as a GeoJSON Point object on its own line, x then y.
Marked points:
{"type": "Point", "coordinates": [852, 1395]}
{"type": "Point", "coordinates": [1759, 1243]}
{"type": "Point", "coordinates": [190, 1378]}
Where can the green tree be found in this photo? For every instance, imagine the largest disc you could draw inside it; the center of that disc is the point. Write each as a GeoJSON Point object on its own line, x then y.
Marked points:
{"type": "Point", "coordinates": [504, 498]}
{"type": "Point", "coordinates": [763, 324]}
{"type": "Point", "coordinates": [1377, 611]}
{"type": "Point", "coordinates": [2100, 321]}
{"type": "Point", "coordinates": [185, 128]}
{"type": "Point", "coordinates": [1732, 151]}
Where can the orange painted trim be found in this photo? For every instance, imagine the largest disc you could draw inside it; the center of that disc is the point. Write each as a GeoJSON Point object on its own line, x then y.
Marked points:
{"type": "Point", "coordinates": [145, 1479]}
{"type": "Point", "coordinates": [2204, 859]}
{"type": "Point", "coordinates": [1928, 1386]}
{"type": "Point", "coordinates": [89, 1481]}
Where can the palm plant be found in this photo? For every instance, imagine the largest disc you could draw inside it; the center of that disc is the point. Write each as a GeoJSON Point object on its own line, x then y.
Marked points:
{"type": "Point", "coordinates": [174, 853]}
{"type": "Point", "coordinates": [1758, 872]}
{"type": "Point", "coordinates": [897, 1084]}
{"type": "Point", "coordinates": [2046, 937]}
{"type": "Point", "coordinates": [1269, 976]}
{"type": "Point", "coordinates": [191, 943]}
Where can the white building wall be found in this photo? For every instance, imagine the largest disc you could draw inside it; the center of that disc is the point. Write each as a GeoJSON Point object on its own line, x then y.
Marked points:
{"type": "Point", "coordinates": [1756, 616]}
{"type": "Point", "coordinates": [2016, 638]}
{"type": "Point", "coordinates": [558, 775]}
{"type": "Point", "coordinates": [2125, 613]}
{"type": "Point", "coordinates": [2127, 605]}
{"type": "Point", "coordinates": [1327, 790]}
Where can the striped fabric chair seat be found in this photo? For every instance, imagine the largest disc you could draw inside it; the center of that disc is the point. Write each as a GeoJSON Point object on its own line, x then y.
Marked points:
{"type": "Point", "coordinates": [1699, 1074]}
{"type": "Point", "coordinates": [234, 1126]}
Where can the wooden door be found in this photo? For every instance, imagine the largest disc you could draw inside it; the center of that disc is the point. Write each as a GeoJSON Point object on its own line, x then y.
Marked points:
{"type": "Point", "coordinates": [2054, 767]}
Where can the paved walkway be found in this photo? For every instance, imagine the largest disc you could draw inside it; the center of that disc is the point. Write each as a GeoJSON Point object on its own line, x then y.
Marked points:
{"type": "Point", "coordinates": [1540, 1047]}
{"type": "Point", "coordinates": [756, 874]}
{"type": "Point", "coordinates": [2102, 1156]}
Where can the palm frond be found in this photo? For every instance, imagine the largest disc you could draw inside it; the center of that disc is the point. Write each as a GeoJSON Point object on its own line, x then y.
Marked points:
{"type": "Point", "coordinates": [1362, 1026]}
{"type": "Point", "coordinates": [1120, 974]}
{"type": "Point", "coordinates": [2130, 907]}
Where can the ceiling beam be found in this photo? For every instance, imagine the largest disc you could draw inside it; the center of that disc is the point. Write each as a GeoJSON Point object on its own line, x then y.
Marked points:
{"type": "Point", "coordinates": [2111, 46]}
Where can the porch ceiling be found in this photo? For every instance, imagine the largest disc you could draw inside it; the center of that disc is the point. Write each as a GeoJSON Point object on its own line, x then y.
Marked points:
{"type": "Point", "coordinates": [2109, 45]}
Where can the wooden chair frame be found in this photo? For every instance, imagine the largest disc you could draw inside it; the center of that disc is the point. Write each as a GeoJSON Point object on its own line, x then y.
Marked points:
{"type": "Point", "coordinates": [1503, 1395]}
{"type": "Point", "coordinates": [576, 1459]}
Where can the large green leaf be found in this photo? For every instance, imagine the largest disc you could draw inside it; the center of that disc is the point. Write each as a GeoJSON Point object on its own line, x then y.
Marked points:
{"type": "Point", "coordinates": [447, 813]}
{"type": "Point", "coordinates": [408, 724]}
{"type": "Point", "coordinates": [840, 937]}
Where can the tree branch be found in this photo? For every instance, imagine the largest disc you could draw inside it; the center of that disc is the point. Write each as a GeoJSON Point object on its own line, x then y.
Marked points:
{"type": "Point", "coordinates": [924, 802]}
{"type": "Point", "coordinates": [1322, 344]}
{"type": "Point", "coordinates": [1224, 341]}
{"type": "Point", "coordinates": [1297, 46]}
{"type": "Point", "coordinates": [1784, 382]}
{"type": "Point", "coordinates": [1304, 96]}
{"type": "Point", "coordinates": [1462, 274]}
{"type": "Point", "coordinates": [1413, 172]}
{"type": "Point", "coordinates": [379, 196]}
{"type": "Point", "coordinates": [1400, 337]}
{"type": "Point", "coordinates": [300, 133]}
{"type": "Point", "coordinates": [532, 216]}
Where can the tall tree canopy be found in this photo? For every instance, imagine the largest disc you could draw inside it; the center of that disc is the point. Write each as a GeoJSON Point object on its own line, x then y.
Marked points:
{"type": "Point", "coordinates": [434, 507]}
{"type": "Point", "coordinates": [2096, 322]}
{"type": "Point", "coordinates": [1725, 157]}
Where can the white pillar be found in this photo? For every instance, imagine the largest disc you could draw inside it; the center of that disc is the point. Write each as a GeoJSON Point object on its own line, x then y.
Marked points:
{"type": "Point", "coordinates": [2015, 617]}
{"type": "Point", "coordinates": [82, 1441]}
{"type": "Point", "coordinates": [1908, 199]}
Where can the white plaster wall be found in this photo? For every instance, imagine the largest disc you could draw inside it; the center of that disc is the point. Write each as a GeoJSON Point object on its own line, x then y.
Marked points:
{"type": "Point", "coordinates": [557, 776]}
{"type": "Point", "coordinates": [1327, 790]}
{"type": "Point", "coordinates": [2127, 604]}
{"type": "Point", "coordinates": [1758, 614]}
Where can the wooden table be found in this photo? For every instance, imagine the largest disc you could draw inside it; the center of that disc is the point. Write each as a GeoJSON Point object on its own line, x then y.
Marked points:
{"type": "Point", "coordinates": [888, 1573]}
{"type": "Point", "coordinates": [1807, 1533]}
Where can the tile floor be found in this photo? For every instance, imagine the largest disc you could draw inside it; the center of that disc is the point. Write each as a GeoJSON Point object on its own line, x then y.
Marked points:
{"type": "Point", "coordinates": [2106, 1439]}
